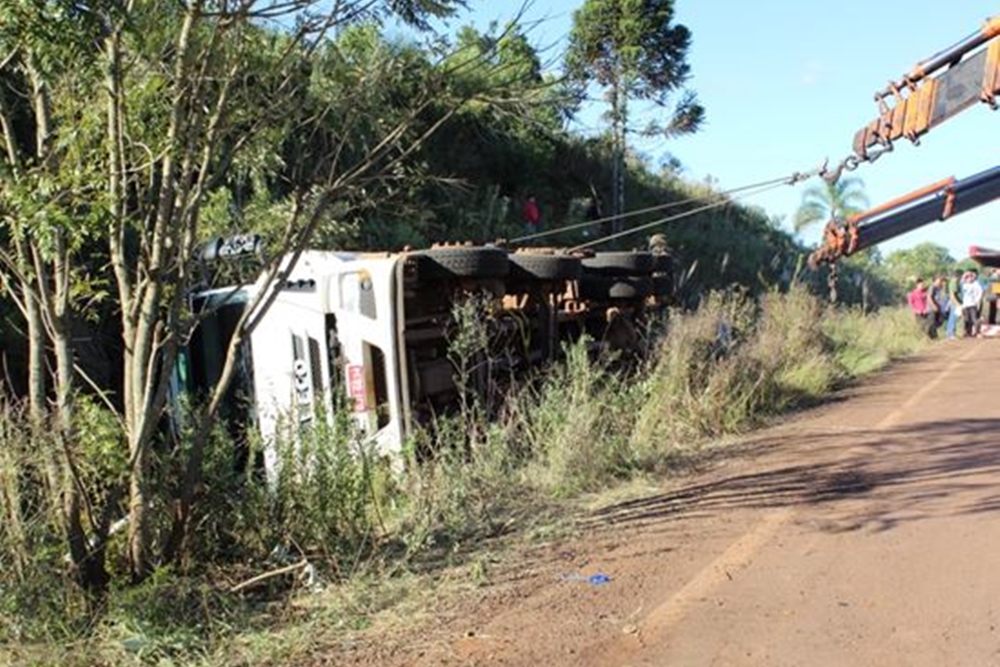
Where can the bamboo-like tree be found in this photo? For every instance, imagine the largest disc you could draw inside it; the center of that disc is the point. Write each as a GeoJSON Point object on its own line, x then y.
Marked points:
{"type": "Point", "coordinates": [46, 58]}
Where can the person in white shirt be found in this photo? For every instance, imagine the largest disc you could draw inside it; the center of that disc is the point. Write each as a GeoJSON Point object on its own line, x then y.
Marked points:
{"type": "Point", "coordinates": [972, 296]}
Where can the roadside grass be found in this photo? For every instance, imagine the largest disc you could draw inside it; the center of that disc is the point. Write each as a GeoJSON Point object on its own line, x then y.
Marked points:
{"type": "Point", "coordinates": [864, 344]}
{"type": "Point", "coordinates": [366, 546]}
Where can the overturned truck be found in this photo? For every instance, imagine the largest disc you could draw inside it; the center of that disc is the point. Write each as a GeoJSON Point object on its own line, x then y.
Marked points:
{"type": "Point", "coordinates": [370, 332]}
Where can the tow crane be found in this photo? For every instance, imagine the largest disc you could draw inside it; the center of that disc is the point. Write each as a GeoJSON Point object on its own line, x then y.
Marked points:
{"type": "Point", "coordinates": [936, 202]}
{"type": "Point", "coordinates": [929, 94]}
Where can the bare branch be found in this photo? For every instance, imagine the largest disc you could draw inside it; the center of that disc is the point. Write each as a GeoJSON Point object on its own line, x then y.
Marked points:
{"type": "Point", "coordinates": [288, 569]}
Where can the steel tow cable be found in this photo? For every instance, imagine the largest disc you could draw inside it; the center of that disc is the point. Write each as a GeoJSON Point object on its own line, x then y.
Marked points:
{"type": "Point", "coordinates": [674, 218]}
{"type": "Point", "coordinates": [784, 180]}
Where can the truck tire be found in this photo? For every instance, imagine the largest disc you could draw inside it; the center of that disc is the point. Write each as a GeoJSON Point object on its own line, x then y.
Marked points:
{"type": "Point", "coordinates": [526, 266]}
{"type": "Point", "coordinates": [630, 288]}
{"type": "Point", "coordinates": [603, 288]}
{"type": "Point", "coordinates": [449, 263]}
{"type": "Point", "coordinates": [619, 264]}
{"type": "Point", "coordinates": [662, 285]}
{"type": "Point", "coordinates": [662, 263]}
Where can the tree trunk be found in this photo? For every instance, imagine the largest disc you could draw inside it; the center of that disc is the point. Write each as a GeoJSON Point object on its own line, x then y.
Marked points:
{"type": "Point", "coordinates": [33, 277]}
{"type": "Point", "coordinates": [88, 561]}
{"type": "Point", "coordinates": [36, 336]}
{"type": "Point", "coordinates": [618, 157]}
{"type": "Point", "coordinates": [36, 361]}
{"type": "Point", "coordinates": [143, 290]}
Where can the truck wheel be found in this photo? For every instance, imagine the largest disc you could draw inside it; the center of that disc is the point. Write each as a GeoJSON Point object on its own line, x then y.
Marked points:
{"type": "Point", "coordinates": [619, 263]}
{"type": "Point", "coordinates": [450, 263]}
{"type": "Point", "coordinates": [662, 263]}
{"type": "Point", "coordinates": [602, 288]}
{"type": "Point", "coordinates": [630, 288]}
{"type": "Point", "coordinates": [526, 266]}
{"type": "Point", "coordinates": [663, 285]}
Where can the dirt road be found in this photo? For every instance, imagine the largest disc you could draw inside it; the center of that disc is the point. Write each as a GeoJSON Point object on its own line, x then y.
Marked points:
{"type": "Point", "coordinates": [865, 532]}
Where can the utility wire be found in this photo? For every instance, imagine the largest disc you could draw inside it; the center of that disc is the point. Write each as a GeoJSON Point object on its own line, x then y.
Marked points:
{"type": "Point", "coordinates": [784, 180]}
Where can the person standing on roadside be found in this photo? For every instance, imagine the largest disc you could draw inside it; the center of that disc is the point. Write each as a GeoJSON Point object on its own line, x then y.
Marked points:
{"type": "Point", "coordinates": [919, 305]}
{"type": "Point", "coordinates": [972, 296]}
{"type": "Point", "coordinates": [532, 216]}
{"type": "Point", "coordinates": [940, 304]}
{"type": "Point", "coordinates": [955, 302]}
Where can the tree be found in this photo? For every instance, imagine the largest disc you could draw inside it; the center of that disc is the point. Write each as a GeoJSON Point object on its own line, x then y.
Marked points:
{"type": "Point", "coordinates": [170, 108]}
{"type": "Point", "coordinates": [924, 260]}
{"type": "Point", "coordinates": [46, 208]}
{"type": "Point", "coordinates": [865, 270]}
{"type": "Point", "coordinates": [635, 51]}
{"type": "Point", "coordinates": [236, 96]}
{"type": "Point", "coordinates": [830, 200]}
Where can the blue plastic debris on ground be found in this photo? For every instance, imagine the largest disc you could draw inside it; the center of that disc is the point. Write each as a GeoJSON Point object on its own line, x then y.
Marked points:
{"type": "Point", "coordinates": [593, 579]}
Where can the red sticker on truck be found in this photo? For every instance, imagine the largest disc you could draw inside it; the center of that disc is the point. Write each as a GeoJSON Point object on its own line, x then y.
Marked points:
{"type": "Point", "coordinates": [356, 387]}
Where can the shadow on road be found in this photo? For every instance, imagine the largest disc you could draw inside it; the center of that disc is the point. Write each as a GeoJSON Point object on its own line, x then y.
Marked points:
{"type": "Point", "coordinates": [922, 471]}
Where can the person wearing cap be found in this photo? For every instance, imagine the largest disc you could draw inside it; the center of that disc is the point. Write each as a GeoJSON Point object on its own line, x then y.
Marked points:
{"type": "Point", "coordinates": [972, 296]}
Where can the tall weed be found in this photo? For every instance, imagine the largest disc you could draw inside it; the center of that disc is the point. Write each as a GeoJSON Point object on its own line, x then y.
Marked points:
{"type": "Point", "coordinates": [722, 368]}
{"type": "Point", "coordinates": [790, 343]}
{"type": "Point", "coordinates": [466, 490]}
{"type": "Point", "coordinates": [39, 598]}
{"type": "Point", "coordinates": [325, 499]}
{"type": "Point", "coordinates": [577, 423]}
{"type": "Point", "coordinates": [864, 343]}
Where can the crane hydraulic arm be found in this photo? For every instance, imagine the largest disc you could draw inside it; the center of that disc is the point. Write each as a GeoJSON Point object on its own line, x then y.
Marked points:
{"type": "Point", "coordinates": [918, 101]}
{"type": "Point", "coordinates": [938, 201]}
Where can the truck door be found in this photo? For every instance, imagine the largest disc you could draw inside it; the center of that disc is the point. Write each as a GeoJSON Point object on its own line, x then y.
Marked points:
{"type": "Point", "coordinates": [363, 299]}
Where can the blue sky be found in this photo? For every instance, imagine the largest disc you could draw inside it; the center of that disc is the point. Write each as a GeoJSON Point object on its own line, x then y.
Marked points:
{"type": "Point", "coordinates": [786, 83]}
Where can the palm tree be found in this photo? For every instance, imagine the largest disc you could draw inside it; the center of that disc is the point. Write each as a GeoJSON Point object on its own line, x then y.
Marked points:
{"type": "Point", "coordinates": [831, 200]}
{"type": "Point", "coordinates": [836, 200]}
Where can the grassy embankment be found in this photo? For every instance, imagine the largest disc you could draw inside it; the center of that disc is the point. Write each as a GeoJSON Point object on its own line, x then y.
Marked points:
{"type": "Point", "coordinates": [368, 540]}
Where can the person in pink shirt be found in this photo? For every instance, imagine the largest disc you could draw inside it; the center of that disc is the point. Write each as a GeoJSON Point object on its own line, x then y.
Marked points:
{"type": "Point", "coordinates": [920, 305]}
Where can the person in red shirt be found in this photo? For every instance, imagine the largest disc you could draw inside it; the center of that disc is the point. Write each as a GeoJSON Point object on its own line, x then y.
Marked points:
{"type": "Point", "coordinates": [532, 216]}
{"type": "Point", "coordinates": [920, 305]}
